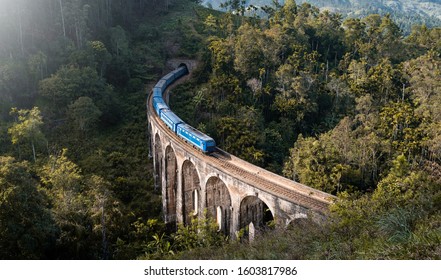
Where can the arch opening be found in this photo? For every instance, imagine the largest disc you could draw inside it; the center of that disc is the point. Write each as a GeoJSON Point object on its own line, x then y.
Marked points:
{"type": "Point", "coordinates": [218, 202]}
{"type": "Point", "coordinates": [302, 223]}
{"type": "Point", "coordinates": [219, 218]}
{"type": "Point", "coordinates": [191, 188]}
{"type": "Point", "coordinates": [195, 202]}
{"type": "Point", "coordinates": [254, 210]}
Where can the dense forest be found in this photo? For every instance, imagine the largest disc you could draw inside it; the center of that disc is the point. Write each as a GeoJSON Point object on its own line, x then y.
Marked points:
{"type": "Point", "coordinates": [351, 107]}
{"type": "Point", "coordinates": [405, 13]}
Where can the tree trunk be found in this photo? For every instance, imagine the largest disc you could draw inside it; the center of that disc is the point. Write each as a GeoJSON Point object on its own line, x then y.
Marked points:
{"type": "Point", "coordinates": [62, 19]}
{"type": "Point", "coordinates": [77, 34]}
{"type": "Point", "coordinates": [108, 11]}
{"type": "Point", "coordinates": [19, 152]}
{"type": "Point", "coordinates": [33, 151]}
{"type": "Point", "coordinates": [103, 231]}
{"type": "Point", "coordinates": [20, 25]}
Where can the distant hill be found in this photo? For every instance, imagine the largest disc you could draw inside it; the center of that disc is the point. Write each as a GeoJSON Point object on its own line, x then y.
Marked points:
{"type": "Point", "coordinates": [405, 12]}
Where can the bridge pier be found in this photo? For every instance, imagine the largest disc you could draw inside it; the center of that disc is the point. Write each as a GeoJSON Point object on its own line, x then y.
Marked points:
{"type": "Point", "coordinates": [235, 225]}
{"type": "Point", "coordinates": [179, 206]}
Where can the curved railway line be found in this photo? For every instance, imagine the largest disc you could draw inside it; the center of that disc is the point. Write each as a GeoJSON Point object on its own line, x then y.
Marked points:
{"type": "Point", "coordinates": [253, 175]}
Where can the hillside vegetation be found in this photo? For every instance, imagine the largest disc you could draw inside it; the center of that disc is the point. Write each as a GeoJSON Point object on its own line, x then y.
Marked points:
{"type": "Point", "coordinates": [404, 12]}
{"type": "Point", "coordinates": [75, 177]}
{"type": "Point", "coordinates": [350, 107]}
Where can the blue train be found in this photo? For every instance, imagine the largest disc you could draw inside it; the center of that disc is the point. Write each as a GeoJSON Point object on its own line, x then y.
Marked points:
{"type": "Point", "coordinates": [191, 135]}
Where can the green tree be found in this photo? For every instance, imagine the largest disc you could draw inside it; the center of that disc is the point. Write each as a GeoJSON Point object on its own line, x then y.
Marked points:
{"type": "Point", "coordinates": [14, 80]}
{"type": "Point", "coordinates": [355, 35]}
{"type": "Point", "coordinates": [211, 24]}
{"type": "Point", "coordinates": [424, 87]}
{"type": "Point", "coordinates": [314, 163]}
{"type": "Point", "coordinates": [83, 114]}
{"type": "Point", "coordinates": [65, 183]}
{"type": "Point", "coordinates": [235, 5]}
{"type": "Point", "coordinates": [27, 128]}
{"type": "Point", "coordinates": [75, 14]}
{"type": "Point", "coordinates": [27, 230]}
{"type": "Point", "coordinates": [222, 55]}
{"type": "Point", "coordinates": [297, 97]}
{"type": "Point", "coordinates": [240, 137]}
{"type": "Point", "coordinates": [105, 213]}
{"type": "Point", "coordinates": [37, 64]}
{"type": "Point", "coordinates": [69, 83]}
{"type": "Point", "coordinates": [248, 55]}
{"type": "Point", "coordinates": [201, 232]}
{"type": "Point", "coordinates": [391, 44]}
{"type": "Point", "coordinates": [400, 127]}
{"type": "Point", "coordinates": [120, 43]}
{"type": "Point", "coordinates": [425, 37]}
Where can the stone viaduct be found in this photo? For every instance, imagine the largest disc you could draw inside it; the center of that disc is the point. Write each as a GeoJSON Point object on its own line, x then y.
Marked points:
{"type": "Point", "coordinates": [232, 191]}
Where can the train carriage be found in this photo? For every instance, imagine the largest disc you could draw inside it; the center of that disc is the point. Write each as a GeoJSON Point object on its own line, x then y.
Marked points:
{"type": "Point", "coordinates": [159, 88]}
{"type": "Point", "coordinates": [196, 138]}
{"type": "Point", "coordinates": [170, 119]}
{"type": "Point", "coordinates": [157, 92]}
{"type": "Point", "coordinates": [159, 104]}
{"type": "Point", "coordinates": [169, 78]}
{"type": "Point", "coordinates": [181, 71]}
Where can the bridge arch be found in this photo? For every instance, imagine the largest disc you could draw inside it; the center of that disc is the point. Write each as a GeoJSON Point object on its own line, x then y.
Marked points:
{"type": "Point", "coordinates": [254, 210]}
{"type": "Point", "coordinates": [304, 224]}
{"type": "Point", "coordinates": [218, 203]}
{"type": "Point", "coordinates": [191, 192]}
{"type": "Point", "coordinates": [171, 185]}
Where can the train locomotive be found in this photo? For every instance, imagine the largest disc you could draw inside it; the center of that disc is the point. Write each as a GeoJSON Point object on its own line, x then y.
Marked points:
{"type": "Point", "coordinates": [199, 140]}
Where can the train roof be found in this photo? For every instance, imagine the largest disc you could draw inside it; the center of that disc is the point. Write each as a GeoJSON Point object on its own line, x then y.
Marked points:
{"type": "Point", "coordinates": [160, 83]}
{"type": "Point", "coordinates": [159, 103]}
{"type": "Point", "coordinates": [179, 69]}
{"type": "Point", "coordinates": [196, 132]}
{"type": "Point", "coordinates": [158, 99]}
{"type": "Point", "coordinates": [168, 76]}
{"type": "Point", "coordinates": [170, 115]}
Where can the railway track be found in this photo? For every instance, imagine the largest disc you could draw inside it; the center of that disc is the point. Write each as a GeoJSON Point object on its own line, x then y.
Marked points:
{"type": "Point", "coordinates": [264, 185]}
